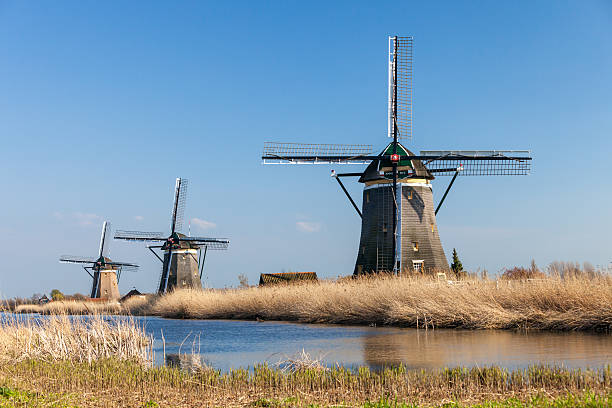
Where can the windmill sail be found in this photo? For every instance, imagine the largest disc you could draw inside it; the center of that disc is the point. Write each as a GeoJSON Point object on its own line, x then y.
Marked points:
{"type": "Point", "coordinates": [104, 240]}
{"type": "Point", "coordinates": [477, 162]}
{"type": "Point", "coordinates": [400, 68]}
{"type": "Point", "coordinates": [209, 243]}
{"type": "Point", "coordinates": [125, 266]}
{"type": "Point", "coordinates": [178, 209]}
{"type": "Point", "coordinates": [306, 153]}
{"type": "Point", "coordinates": [139, 236]}
{"type": "Point", "coordinates": [77, 259]}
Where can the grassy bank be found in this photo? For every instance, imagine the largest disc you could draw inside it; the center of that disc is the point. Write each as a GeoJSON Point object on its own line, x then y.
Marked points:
{"type": "Point", "coordinates": [552, 303]}
{"type": "Point", "coordinates": [110, 383]}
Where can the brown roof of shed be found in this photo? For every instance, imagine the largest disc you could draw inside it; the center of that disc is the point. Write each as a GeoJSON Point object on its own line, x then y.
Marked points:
{"type": "Point", "coordinates": [286, 277]}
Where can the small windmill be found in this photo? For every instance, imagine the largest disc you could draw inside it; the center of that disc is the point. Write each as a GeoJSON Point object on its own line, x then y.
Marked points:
{"type": "Point", "coordinates": [398, 226]}
{"type": "Point", "coordinates": [183, 260]}
{"type": "Point", "coordinates": [104, 272]}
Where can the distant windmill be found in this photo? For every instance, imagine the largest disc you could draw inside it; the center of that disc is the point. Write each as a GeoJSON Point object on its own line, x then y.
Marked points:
{"type": "Point", "coordinates": [184, 256]}
{"type": "Point", "coordinates": [104, 272]}
{"type": "Point", "coordinates": [398, 227]}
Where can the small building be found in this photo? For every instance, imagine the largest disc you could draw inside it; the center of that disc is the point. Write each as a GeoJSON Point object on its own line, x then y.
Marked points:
{"type": "Point", "coordinates": [132, 293]}
{"type": "Point", "coordinates": [286, 277]}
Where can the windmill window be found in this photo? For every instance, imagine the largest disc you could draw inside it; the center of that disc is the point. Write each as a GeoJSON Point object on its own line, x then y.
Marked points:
{"type": "Point", "coordinates": [410, 194]}
{"type": "Point", "coordinates": [363, 250]}
{"type": "Point", "coordinates": [433, 227]}
{"type": "Point", "coordinates": [418, 266]}
{"type": "Point", "coordinates": [367, 196]}
{"type": "Point", "coordinates": [384, 228]}
{"type": "Point", "coordinates": [415, 246]}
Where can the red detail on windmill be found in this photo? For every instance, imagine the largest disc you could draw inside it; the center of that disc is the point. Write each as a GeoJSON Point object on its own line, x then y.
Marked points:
{"type": "Point", "coordinates": [395, 158]}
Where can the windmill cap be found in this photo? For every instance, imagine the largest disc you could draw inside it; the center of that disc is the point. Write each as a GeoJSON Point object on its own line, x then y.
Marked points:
{"type": "Point", "coordinates": [412, 168]}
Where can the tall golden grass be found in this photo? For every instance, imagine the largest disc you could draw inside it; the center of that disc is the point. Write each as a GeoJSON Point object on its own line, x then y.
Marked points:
{"type": "Point", "coordinates": [80, 340]}
{"type": "Point", "coordinates": [554, 302]}
{"type": "Point", "coordinates": [547, 304]}
{"type": "Point", "coordinates": [71, 307]}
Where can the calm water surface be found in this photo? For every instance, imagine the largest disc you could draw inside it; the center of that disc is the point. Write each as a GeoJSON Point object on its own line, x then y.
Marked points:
{"type": "Point", "coordinates": [232, 344]}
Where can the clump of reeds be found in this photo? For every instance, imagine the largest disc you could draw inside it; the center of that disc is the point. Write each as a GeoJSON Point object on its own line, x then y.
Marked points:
{"type": "Point", "coordinates": [78, 339]}
{"type": "Point", "coordinates": [299, 362]}
{"type": "Point", "coordinates": [553, 303]}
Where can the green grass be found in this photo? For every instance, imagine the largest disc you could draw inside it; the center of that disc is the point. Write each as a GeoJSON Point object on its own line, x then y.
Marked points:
{"type": "Point", "coordinates": [117, 383]}
{"type": "Point", "coordinates": [586, 400]}
{"type": "Point", "coordinates": [13, 398]}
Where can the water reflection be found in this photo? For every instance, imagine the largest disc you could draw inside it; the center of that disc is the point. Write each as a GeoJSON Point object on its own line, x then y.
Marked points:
{"type": "Point", "coordinates": [441, 348]}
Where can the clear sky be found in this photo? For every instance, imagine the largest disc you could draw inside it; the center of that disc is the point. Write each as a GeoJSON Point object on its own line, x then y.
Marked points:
{"type": "Point", "coordinates": [104, 104]}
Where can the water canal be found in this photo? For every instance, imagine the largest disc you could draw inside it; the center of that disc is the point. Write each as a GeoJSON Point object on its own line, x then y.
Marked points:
{"type": "Point", "coordinates": [227, 344]}
{"type": "Point", "coordinates": [232, 344]}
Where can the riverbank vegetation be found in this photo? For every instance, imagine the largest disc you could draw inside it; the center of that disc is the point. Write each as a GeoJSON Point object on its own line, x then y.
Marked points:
{"type": "Point", "coordinates": [565, 297]}
{"type": "Point", "coordinates": [108, 362]}
{"type": "Point", "coordinates": [111, 383]}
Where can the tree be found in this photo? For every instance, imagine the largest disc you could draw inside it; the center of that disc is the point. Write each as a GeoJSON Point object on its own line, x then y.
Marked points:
{"type": "Point", "coordinates": [244, 281]}
{"type": "Point", "coordinates": [456, 266]}
{"type": "Point", "coordinates": [57, 295]}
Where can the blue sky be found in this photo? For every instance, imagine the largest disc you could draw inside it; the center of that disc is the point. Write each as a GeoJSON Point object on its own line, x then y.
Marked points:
{"type": "Point", "coordinates": [104, 104]}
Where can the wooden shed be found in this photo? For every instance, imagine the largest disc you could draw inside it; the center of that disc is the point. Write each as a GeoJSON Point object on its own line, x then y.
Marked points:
{"type": "Point", "coordinates": [286, 277]}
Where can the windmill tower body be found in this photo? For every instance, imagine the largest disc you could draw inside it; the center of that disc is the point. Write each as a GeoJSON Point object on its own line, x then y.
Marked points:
{"type": "Point", "coordinates": [182, 269]}
{"type": "Point", "coordinates": [105, 284]}
{"type": "Point", "coordinates": [418, 244]}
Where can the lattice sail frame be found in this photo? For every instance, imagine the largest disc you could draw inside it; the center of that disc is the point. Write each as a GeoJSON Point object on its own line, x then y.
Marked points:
{"type": "Point", "coordinates": [178, 207]}
{"type": "Point", "coordinates": [305, 153]}
{"type": "Point", "coordinates": [477, 162]}
{"type": "Point", "coordinates": [139, 235]}
{"type": "Point", "coordinates": [217, 244]}
{"type": "Point", "coordinates": [400, 60]}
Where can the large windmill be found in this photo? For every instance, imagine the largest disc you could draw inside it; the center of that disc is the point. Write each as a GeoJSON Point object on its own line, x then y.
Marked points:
{"type": "Point", "coordinates": [398, 226]}
{"type": "Point", "coordinates": [104, 272]}
{"type": "Point", "coordinates": [183, 260]}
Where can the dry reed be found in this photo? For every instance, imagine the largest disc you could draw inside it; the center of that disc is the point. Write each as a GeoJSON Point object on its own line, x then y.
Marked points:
{"type": "Point", "coordinates": [554, 303]}
{"type": "Point", "coordinates": [71, 307]}
{"type": "Point", "coordinates": [548, 304]}
{"type": "Point", "coordinates": [61, 338]}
